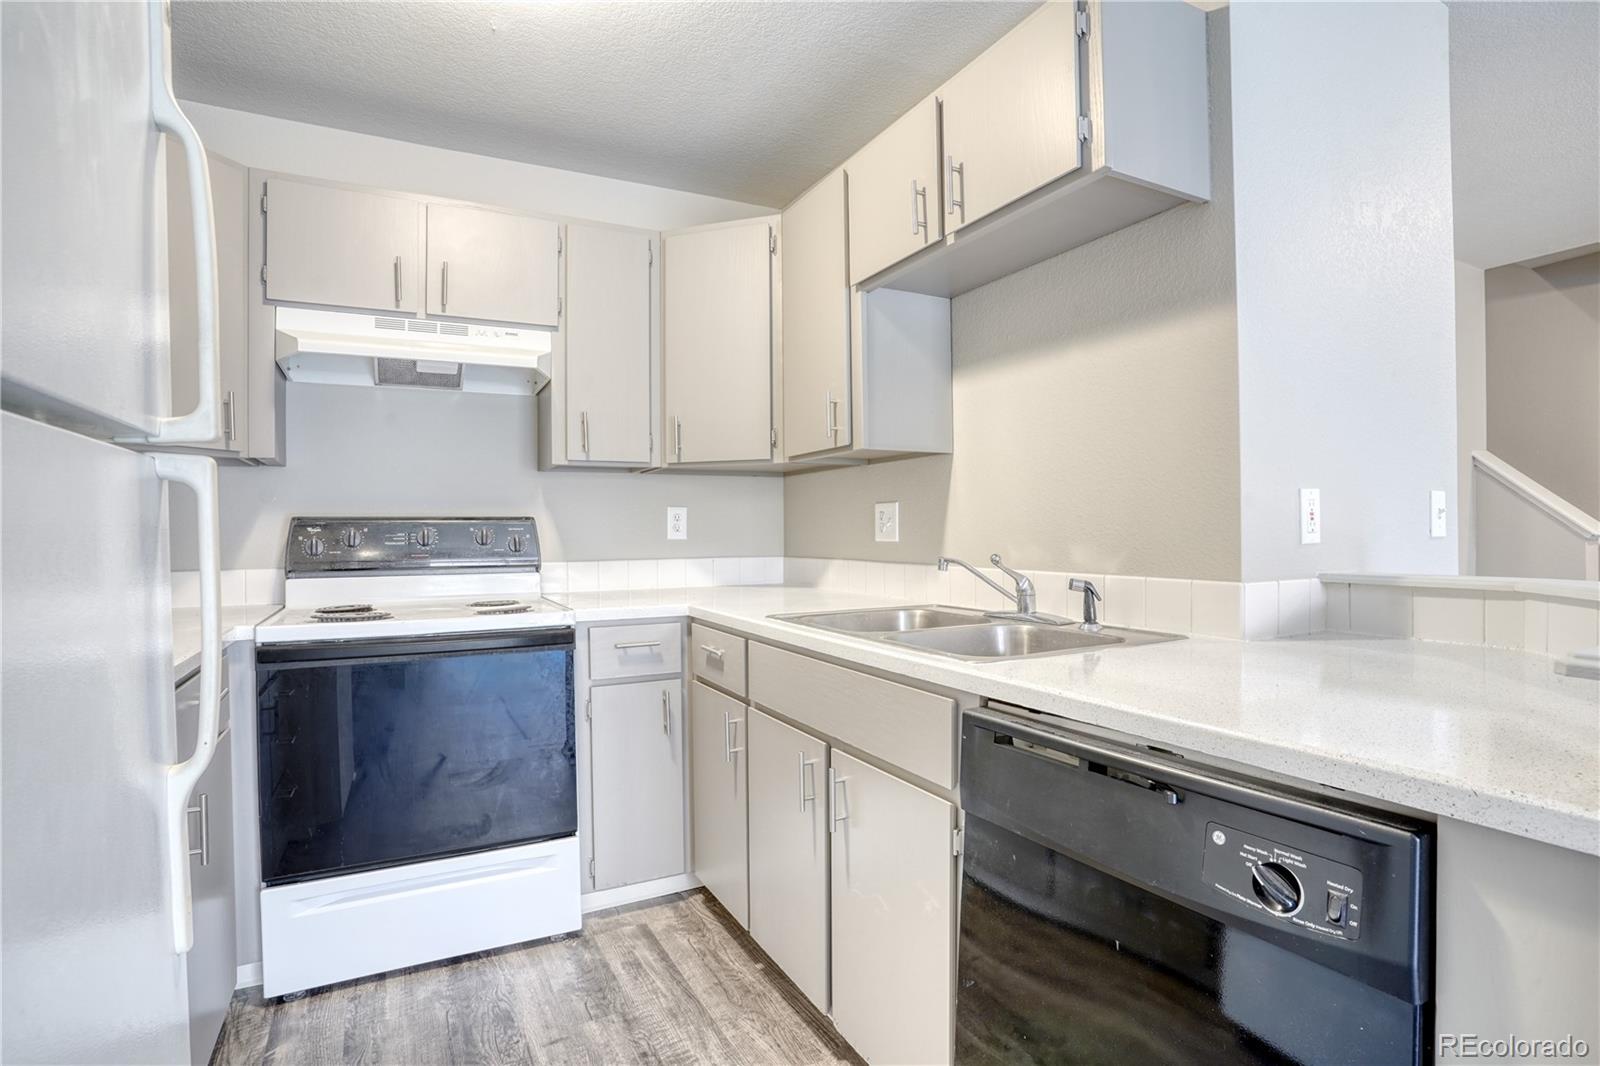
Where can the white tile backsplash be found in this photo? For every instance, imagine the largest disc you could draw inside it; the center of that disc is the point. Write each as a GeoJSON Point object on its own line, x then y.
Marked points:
{"type": "Point", "coordinates": [1536, 626]}
{"type": "Point", "coordinates": [613, 574]}
{"type": "Point", "coordinates": [727, 571]}
{"type": "Point", "coordinates": [1573, 626]}
{"type": "Point", "coordinates": [1124, 601]}
{"type": "Point", "coordinates": [962, 588]}
{"type": "Point", "coordinates": [1336, 609]}
{"type": "Point", "coordinates": [1447, 615]}
{"type": "Point", "coordinates": [1503, 615]}
{"type": "Point", "coordinates": [1168, 605]}
{"type": "Point", "coordinates": [1260, 610]}
{"type": "Point", "coordinates": [1217, 609]}
{"type": "Point", "coordinates": [672, 573]}
{"type": "Point", "coordinates": [583, 576]}
{"type": "Point", "coordinates": [1380, 610]}
{"type": "Point", "coordinates": [1294, 607]}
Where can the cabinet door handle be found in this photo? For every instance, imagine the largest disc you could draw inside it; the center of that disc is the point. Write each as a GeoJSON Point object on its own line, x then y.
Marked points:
{"type": "Point", "coordinates": [730, 726]}
{"type": "Point", "coordinates": [805, 797]}
{"type": "Point", "coordinates": [678, 422]}
{"type": "Point", "coordinates": [228, 431]}
{"type": "Point", "coordinates": [632, 644]}
{"type": "Point", "coordinates": [951, 203]}
{"type": "Point", "coordinates": [203, 809]}
{"type": "Point", "coordinates": [836, 795]}
{"type": "Point", "coordinates": [397, 281]}
{"type": "Point", "coordinates": [919, 218]}
{"type": "Point", "coordinates": [444, 286]}
{"type": "Point", "coordinates": [666, 712]}
{"type": "Point", "coordinates": [583, 429]}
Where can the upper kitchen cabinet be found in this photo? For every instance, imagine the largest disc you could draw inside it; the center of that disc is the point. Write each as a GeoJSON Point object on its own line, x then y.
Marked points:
{"type": "Point", "coordinates": [600, 407]}
{"type": "Point", "coordinates": [343, 247]}
{"type": "Point", "coordinates": [1010, 117]}
{"type": "Point", "coordinates": [894, 193]}
{"type": "Point", "coordinates": [1033, 166]}
{"type": "Point", "coordinates": [492, 265]}
{"type": "Point", "coordinates": [719, 316]}
{"type": "Point", "coordinates": [864, 376]}
{"type": "Point", "coordinates": [230, 196]}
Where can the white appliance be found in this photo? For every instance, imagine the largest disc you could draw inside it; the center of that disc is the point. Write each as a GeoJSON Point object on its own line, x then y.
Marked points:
{"type": "Point", "coordinates": [97, 917]}
{"type": "Point", "coordinates": [416, 749]}
{"type": "Point", "coordinates": [345, 348]}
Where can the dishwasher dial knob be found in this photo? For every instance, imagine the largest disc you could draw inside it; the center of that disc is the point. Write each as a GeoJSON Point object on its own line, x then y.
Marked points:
{"type": "Point", "coordinates": [314, 546]}
{"type": "Point", "coordinates": [1276, 887]}
{"type": "Point", "coordinates": [516, 542]}
{"type": "Point", "coordinates": [426, 538]}
{"type": "Point", "coordinates": [351, 538]}
{"type": "Point", "coordinates": [484, 536]}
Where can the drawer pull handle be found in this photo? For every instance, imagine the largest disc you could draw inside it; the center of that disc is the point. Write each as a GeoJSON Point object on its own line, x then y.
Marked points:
{"type": "Point", "coordinates": [632, 644]}
{"type": "Point", "coordinates": [713, 653]}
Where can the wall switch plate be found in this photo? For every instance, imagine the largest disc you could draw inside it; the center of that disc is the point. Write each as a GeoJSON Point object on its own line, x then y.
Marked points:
{"type": "Point", "coordinates": [886, 521]}
{"type": "Point", "coordinates": [1438, 516]}
{"type": "Point", "coordinates": [1310, 516]}
{"type": "Point", "coordinates": [677, 523]}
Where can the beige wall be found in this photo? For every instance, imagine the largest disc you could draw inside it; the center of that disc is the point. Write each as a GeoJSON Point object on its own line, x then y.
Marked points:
{"type": "Point", "coordinates": [1472, 410]}
{"type": "Point", "coordinates": [1543, 360]}
{"type": "Point", "coordinates": [1096, 410]}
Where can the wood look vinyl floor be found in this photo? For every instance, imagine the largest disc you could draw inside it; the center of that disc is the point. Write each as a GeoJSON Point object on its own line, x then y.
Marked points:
{"type": "Point", "coordinates": [673, 980]}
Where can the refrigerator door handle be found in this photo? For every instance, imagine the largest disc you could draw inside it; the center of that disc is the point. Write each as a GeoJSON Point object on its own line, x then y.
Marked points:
{"type": "Point", "coordinates": [203, 424]}
{"type": "Point", "coordinates": [200, 474]}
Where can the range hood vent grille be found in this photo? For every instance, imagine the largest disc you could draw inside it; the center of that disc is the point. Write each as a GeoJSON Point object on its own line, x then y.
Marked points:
{"type": "Point", "coordinates": [406, 372]}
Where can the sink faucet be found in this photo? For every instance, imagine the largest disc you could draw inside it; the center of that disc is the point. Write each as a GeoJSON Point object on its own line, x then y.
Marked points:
{"type": "Point", "coordinates": [1091, 618]}
{"type": "Point", "coordinates": [1023, 596]}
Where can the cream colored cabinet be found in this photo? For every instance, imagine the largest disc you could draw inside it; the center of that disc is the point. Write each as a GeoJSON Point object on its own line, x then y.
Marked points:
{"type": "Point", "coordinates": [718, 775]}
{"type": "Point", "coordinates": [893, 915]}
{"type": "Point", "coordinates": [718, 335]}
{"type": "Point", "coordinates": [894, 192]}
{"type": "Point", "coordinates": [637, 782]}
{"type": "Point", "coordinates": [352, 248]}
{"type": "Point", "coordinates": [492, 265]}
{"type": "Point", "coordinates": [816, 320]}
{"type": "Point", "coordinates": [230, 195]}
{"type": "Point", "coordinates": [600, 406]}
{"type": "Point", "coordinates": [1010, 117]}
{"type": "Point", "coordinates": [789, 851]}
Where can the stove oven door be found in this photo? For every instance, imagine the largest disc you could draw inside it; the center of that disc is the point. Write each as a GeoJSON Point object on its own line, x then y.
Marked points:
{"type": "Point", "coordinates": [376, 753]}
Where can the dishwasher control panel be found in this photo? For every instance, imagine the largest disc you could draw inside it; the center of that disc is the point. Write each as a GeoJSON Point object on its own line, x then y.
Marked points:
{"type": "Point", "coordinates": [1313, 894]}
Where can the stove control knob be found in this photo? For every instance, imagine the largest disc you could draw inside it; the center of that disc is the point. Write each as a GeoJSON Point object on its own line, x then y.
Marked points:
{"type": "Point", "coordinates": [426, 538]}
{"type": "Point", "coordinates": [351, 538]}
{"type": "Point", "coordinates": [517, 542]}
{"type": "Point", "coordinates": [314, 546]}
{"type": "Point", "coordinates": [484, 536]}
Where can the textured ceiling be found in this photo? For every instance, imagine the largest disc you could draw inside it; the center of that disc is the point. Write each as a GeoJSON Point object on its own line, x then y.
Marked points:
{"type": "Point", "coordinates": [750, 101]}
{"type": "Point", "coordinates": [1525, 128]}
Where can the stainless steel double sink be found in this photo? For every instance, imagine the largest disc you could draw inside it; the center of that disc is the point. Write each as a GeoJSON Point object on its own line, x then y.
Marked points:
{"type": "Point", "coordinates": [971, 635]}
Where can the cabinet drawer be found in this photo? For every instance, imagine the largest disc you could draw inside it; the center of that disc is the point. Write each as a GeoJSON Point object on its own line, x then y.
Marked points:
{"type": "Point", "coordinates": [717, 658]}
{"type": "Point", "coordinates": [913, 729]}
{"type": "Point", "coordinates": [635, 651]}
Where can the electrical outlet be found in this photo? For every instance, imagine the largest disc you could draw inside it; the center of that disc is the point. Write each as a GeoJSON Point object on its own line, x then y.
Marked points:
{"type": "Point", "coordinates": [1310, 516]}
{"type": "Point", "coordinates": [886, 521]}
{"type": "Point", "coordinates": [1438, 516]}
{"type": "Point", "coordinates": [677, 523]}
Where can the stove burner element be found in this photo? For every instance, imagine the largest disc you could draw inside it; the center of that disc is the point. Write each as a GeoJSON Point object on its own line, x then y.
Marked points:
{"type": "Point", "coordinates": [350, 612]}
{"type": "Point", "coordinates": [492, 603]}
{"type": "Point", "coordinates": [513, 608]}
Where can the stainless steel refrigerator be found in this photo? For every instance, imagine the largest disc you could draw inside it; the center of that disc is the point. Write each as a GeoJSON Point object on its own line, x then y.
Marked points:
{"type": "Point", "coordinates": [94, 781]}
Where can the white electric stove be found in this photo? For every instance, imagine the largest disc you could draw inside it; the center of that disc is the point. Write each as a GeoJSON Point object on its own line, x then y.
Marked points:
{"type": "Point", "coordinates": [415, 749]}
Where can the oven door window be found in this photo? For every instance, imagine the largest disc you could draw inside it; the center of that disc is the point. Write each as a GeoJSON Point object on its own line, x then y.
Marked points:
{"type": "Point", "coordinates": [375, 759]}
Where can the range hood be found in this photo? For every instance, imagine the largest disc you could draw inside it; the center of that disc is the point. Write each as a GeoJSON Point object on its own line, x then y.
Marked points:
{"type": "Point", "coordinates": [391, 351]}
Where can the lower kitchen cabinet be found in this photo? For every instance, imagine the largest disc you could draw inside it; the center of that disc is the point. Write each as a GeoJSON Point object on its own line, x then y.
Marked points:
{"type": "Point", "coordinates": [636, 752]}
{"type": "Point", "coordinates": [717, 774]}
{"type": "Point", "coordinates": [789, 851]}
{"type": "Point", "coordinates": [212, 962]}
{"type": "Point", "coordinates": [893, 921]}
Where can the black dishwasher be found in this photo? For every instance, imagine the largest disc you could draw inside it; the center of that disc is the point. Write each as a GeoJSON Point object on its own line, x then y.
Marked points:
{"type": "Point", "coordinates": [1122, 905]}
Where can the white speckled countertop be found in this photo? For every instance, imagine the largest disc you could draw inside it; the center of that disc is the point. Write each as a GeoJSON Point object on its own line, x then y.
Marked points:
{"type": "Point", "coordinates": [238, 623]}
{"type": "Point", "coordinates": [1491, 737]}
